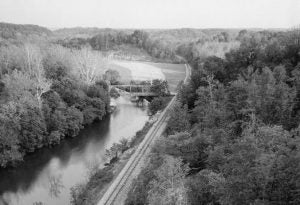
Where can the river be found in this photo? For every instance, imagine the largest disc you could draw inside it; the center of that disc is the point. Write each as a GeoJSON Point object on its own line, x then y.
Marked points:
{"type": "Point", "coordinates": [48, 174]}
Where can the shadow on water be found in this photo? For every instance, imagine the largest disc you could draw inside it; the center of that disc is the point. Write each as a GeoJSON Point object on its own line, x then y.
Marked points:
{"type": "Point", "coordinates": [21, 179]}
{"type": "Point", "coordinates": [48, 174]}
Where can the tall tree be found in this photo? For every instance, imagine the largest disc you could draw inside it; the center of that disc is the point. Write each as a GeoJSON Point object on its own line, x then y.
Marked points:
{"type": "Point", "coordinates": [169, 186]}
{"type": "Point", "coordinates": [89, 65]}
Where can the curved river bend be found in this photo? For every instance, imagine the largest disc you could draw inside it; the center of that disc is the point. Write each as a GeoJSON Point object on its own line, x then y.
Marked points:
{"type": "Point", "coordinates": [47, 175]}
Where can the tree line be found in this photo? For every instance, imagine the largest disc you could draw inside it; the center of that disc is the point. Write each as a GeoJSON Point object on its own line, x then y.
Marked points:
{"type": "Point", "coordinates": [111, 39]}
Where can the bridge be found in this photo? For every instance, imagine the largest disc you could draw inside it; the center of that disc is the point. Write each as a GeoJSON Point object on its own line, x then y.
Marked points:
{"type": "Point", "coordinates": [138, 92]}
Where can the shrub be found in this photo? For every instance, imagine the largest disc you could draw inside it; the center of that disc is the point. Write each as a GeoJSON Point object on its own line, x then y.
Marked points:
{"type": "Point", "coordinates": [102, 83]}
{"type": "Point", "coordinates": [97, 91]}
{"type": "Point", "coordinates": [68, 90]}
{"type": "Point", "coordinates": [82, 194]}
{"type": "Point", "coordinates": [74, 120]}
{"type": "Point", "coordinates": [52, 99]}
{"type": "Point", "coordinates": [179, 119]}
{"type": "Point", "coordinates": [159, 87]}
{"type": "Point", "coordinates": [54, 138]}
{"type": "Point", "coordinates": [114, 93]}
{"type": "Point", "coordinates": [89, 115]}
{"type": "Point", "coordinates": [156, 104]}
{"type": "Point", "coordinates": [9, 132]}
{"type": "Point", "coordinates": [33, 129]}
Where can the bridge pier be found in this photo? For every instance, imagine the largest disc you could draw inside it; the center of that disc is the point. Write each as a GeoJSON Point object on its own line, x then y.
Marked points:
{"type": "Point", "coordinates": [140, 101]}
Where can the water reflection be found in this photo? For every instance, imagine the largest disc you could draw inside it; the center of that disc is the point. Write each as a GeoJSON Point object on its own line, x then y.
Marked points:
{"type": "Point", "coordinates": [47, 175]}
{"type": "Point", "coordinates": [26, 174]}
{"type": "Point", "coordinates": [55, 185]}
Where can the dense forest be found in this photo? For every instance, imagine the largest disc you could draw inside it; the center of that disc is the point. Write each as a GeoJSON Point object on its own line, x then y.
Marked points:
{"type": "Point", "coordinates": [47, 93]}
{"type": "Point", "coordinates": [233, 137]}
{"type": "Point", "coordinates": [163, 45]}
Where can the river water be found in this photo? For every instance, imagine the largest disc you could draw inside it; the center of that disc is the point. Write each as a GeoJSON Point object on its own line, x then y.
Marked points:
{"type": "Point", "coordinates": [47, 175]}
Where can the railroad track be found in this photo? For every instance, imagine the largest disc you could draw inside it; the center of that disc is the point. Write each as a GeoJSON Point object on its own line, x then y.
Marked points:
{"type": "Point", "coordinates": [121, 181]}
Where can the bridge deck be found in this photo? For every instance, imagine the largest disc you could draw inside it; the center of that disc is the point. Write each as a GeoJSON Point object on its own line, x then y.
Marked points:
{"type": "Point", "coordinates": [150, 94]}
{"type": "Point", "coordinates": [143, 93]}
{"type": "Point", "coordinates": [133, 86]}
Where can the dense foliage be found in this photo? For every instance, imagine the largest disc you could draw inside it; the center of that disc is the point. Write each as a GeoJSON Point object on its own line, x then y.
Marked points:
{"type": "Point", "coordinates": [113, 39]}
{"type": "Point", "coordinates": [236, 126]}
{"type": "Point", "coordinates": [166, 45]}
{"type": "Point", "coordinates": [46, 96]}
{"type": "Point", "coordinates": [158, 104]}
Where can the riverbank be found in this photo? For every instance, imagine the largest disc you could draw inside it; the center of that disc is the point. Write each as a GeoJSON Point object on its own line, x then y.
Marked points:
{"type": "Point", "coordinates": [92, 191]}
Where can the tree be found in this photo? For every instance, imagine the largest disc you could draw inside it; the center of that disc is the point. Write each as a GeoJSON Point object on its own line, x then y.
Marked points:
{"type": "Point", "coordinates": [240, 177]}
{"type": "Point", "coordinates": [112, 76]}
{"type": "Point", "coordinates": [98, 91]}
{"type": "Point", "coordinates": [88, 65]}
{"type": "Point", "coordinates": [214, 67]}
{"type": "Point", "coordinates": [292, 43]}
{"type": "Point", "coordinates": [114, 93]}
{"type": "Point", "coordinates": [160, 87]}
{"type": "Point", "coordinates": [237, 107]}
{"type": "Point", "coordinates": [179, 119]}
{"type": "Point", "coordinates": [225, 36]}
{"type": "Point", "coordinates": [34, 67]}
{"type": "Point", "coordinates": [191, 149]}
{"type": "Point", "coordinates": [74, 120]}
{"type": "Point", "coordinates": [169, 186]}
{"type": "Point", "coordinates": [242, 34]}
{"type": "Point", "coordinates": [155, 105]}
{"type": "Point", "coordinates": [139, 38]}
{"type": "Point", "coordinates": [9, 134]}
{"type": "Point", "coordinates": [113, 152]}
{"type": "Point", "coordinates": [2, 86]}
{"type": "Point", "coordinates": [283, 185]}
{"type": "Point", "coordinates": [11, 58]}
{"type": "Point", "coordinates": [271, 97]}
{"type": "Point", "coordinates": [68, 89]}
{"type": "Point", "coordinates": [204, 187]}
{"type": "Point", "coordinates": [19, 85]}
{"type": "Point", "coordinates": [33, 128]}
{"type": "Point", "coordinates": [57, 63]}
{"type": "Point", "coordinates": [141, 185]}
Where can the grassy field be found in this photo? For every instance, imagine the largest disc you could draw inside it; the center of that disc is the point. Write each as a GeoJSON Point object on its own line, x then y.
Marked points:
{"type": "Point", "coordinates": [125, 73]}
{"type": "Point", "coordinates": [174, 73]}
{"type": "Point", "coordinates": [136, 70]}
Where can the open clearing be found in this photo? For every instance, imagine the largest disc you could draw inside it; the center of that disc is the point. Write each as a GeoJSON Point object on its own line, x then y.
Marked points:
{"type": "Point", "coordinates": [141, 71]}
{"type": "Point", "coordinates": [174, 73]}
{"type": "Point", "coordinates": [133, 70]}
{"type": "Point", "coordinates": [125, 73]}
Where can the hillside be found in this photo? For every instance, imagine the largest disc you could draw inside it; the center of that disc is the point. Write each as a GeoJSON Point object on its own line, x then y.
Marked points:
{"type": "Point", "coordinates": [85, 32]}
{"type": "Point", "coordinates": [189, 34]}
{"type": "Point", "coordinates": [16, 31]}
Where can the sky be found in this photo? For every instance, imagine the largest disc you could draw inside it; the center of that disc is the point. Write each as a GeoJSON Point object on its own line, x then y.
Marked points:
{"type": "Point", "coordinates": [153, 13]}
